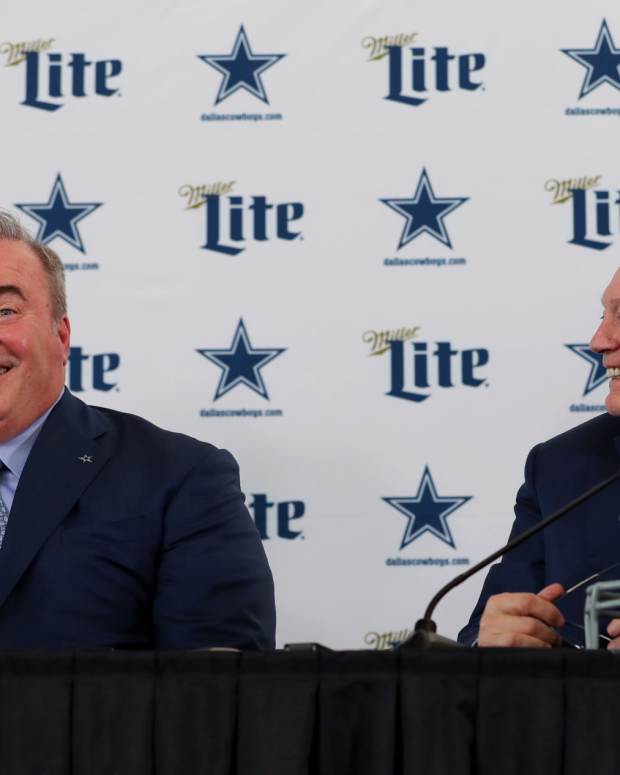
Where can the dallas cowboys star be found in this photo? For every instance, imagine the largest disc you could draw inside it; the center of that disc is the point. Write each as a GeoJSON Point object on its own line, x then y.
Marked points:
{"type": "Point", "coordinates": [241, 363]}
{"type": "Point", "coordinates": [58, 217]}
{"type": "Point", "coordinates": [424, 212]}
{"type": "Point", "coordinates": [598, 372]}
{"type": "Point", "coordinates": [426, 511]}
{"type": "Point", "coordinates": [241, 69]}
{"type": "Point", "coordinates": [602, 62]}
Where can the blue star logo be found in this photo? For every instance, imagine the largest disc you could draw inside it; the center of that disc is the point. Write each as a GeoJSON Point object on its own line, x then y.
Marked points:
{"type": "Point", "coordinates": [241, 363]}
{"type": "Point", "coordinates": [598, 373]}
{"type": "Point", "coordinates": [427, 512]}
{"type": "Point", "coordinates": [241, 69]}
{"type": "Point", "coordinates": [601, 62]}
{"type": "Point", "coordinates": [58, 217]}
{"type": "Point", "coordinates": [425, 212]}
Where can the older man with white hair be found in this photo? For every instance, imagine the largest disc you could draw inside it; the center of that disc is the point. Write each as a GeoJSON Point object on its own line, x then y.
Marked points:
{"type": "Point", "coordinates": [521, 598]}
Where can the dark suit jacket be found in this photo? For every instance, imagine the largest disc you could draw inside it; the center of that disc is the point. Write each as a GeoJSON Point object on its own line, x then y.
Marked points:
{"type": "Point", "coordinates": [583, 542]}
{"type": "Point", "coordinates": [149, 544]}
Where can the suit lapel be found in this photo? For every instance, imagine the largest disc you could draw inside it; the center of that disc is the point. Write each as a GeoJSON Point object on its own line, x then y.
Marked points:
{"type": "Point", "coordinates": [598, 521]}
{"type": "Point", "coordinates": [52, 481]}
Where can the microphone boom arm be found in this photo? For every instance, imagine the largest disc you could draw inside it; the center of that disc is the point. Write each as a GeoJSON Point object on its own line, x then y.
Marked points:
{"type": "Point", "coordinates": [427, 625]}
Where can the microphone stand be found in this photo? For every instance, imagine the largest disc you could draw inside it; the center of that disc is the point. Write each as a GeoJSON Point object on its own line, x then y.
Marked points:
{"type": "Point", "coordinates": [425, 634]}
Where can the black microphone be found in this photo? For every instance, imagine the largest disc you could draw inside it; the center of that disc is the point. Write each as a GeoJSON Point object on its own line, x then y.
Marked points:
{"type": "Point", "coordinates": [425, 634]}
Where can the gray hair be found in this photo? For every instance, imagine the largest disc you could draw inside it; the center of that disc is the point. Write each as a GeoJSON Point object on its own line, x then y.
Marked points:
{"type": "Point", "coordinates": [11, 229]}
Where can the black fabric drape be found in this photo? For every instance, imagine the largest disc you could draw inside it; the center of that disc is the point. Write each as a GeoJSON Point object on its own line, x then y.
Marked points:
{"type": "Point", "coordinates": [277, 714]}
{"type": "Point", "coordinates": [438, 710]}
{"type": "Point", "coordinates": [196, 713]}
{"type": "Point", "coordinates": [357, 713]}
{"type": "Point", "coordinates": [112, 720]}
{"type": "Point", "coordinates": [35, 711]}
{"type": "Point", "coordinates": [462, 712]}
{"type": "Point", "coordinates": [592, 736]}
{"type": "Point", "coordinates": [520, 719]}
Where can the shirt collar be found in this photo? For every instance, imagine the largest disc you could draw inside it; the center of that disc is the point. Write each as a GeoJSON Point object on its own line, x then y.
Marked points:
{"type": "Point", "coordinates": [15, 451]}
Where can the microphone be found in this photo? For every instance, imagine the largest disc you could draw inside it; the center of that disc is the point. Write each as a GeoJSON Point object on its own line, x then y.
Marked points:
{"type": "Point", "coordinates": [425, 634]}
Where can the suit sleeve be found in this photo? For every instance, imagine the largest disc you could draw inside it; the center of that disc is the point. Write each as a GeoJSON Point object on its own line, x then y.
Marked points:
{"type": "Point", "coordinates": [214, 586]}
{"type": "Point", "coordinates": [523, 570]}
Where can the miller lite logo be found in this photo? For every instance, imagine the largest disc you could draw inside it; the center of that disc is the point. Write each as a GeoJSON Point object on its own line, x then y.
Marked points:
{"type": "Point", "coordinates": [51, 77]}
{"type": "Point", "coordinates": [417, 368]}
{"type": "Point", "coordinates": [86, 371]}
{"type": "Point", "coordinates": [595, 217]}
{"type": "Point", "coordinates": [417, 72]}
{"type": "Point", "coordinates": [234, 221]}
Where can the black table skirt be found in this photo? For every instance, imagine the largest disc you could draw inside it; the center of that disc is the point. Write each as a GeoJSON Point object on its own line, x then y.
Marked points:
{"type": "Point", "coordinates": [470, 712]}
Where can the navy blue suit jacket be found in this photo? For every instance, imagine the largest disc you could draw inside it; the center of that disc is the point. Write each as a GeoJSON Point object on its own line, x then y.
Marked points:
{"type": "Point", "coordinates": [148, 545]}
{"type": "Point", "coordinates": [585, 541]}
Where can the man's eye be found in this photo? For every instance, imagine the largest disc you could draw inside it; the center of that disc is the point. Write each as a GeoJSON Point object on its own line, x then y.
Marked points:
{"type": "Point", "coordinates": [6, 311]}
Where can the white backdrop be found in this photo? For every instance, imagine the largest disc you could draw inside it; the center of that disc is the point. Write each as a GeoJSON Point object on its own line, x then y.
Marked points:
{"type": "Point", "coordinates": [492, 132]}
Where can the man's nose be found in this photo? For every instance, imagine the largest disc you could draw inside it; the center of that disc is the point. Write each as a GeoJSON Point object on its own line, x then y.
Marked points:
{"type": "Point", "coordinates": [603, 339]}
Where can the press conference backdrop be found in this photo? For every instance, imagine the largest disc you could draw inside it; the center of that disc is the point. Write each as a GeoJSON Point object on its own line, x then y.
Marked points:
{"type": "Point", "coordinates": [360, 244]}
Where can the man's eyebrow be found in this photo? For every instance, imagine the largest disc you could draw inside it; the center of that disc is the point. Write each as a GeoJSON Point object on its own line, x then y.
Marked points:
{"type": "Point", "coordinates": [15, 290]}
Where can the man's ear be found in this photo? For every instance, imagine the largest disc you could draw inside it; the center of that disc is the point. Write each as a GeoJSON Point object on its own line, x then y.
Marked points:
{"type": "Point", "coordinates": [64, 334]}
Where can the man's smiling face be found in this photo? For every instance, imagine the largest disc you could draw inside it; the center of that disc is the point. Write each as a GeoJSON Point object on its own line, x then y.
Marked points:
{"type": "Point", "coordinates": [33, 345]}
{"type": "Point", "coordinates": [606, 340]}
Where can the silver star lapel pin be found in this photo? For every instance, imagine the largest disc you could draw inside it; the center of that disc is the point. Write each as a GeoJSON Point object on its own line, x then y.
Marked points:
{"type": "Point", "coordinates": [86, 459]}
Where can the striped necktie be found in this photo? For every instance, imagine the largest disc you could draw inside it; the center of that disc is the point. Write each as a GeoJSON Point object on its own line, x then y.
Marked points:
{"type": "Point", "coordinates": [4, 512]}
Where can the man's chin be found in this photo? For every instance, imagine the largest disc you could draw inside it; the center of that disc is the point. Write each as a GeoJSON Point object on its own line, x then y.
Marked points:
{"type": "Point", "coordinates": [612, 403]}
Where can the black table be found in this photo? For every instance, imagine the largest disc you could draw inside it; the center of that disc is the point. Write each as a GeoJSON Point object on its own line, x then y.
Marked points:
{"type": "Point", "coordinates": [471, 711]}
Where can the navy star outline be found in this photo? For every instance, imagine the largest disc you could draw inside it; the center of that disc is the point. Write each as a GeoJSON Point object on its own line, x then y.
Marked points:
{"type": "Point", "coordinates": [241, 363]}
{"type": "Point", "coordinates": [424, 212]}
{"type": "Point", "coordinates": [598, 372]}
{"type": "Point", "coordinates": [602, 62]}
{"type": "Point", "coordinates": [241, 69]}
{"type": "Point", "coordinates": [426, 511]}
{"type": "Point", "coordinates": [58, 217]}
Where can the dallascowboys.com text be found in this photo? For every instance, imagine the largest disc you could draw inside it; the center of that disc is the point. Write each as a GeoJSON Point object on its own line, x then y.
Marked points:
{"type": "Point", "coordinates": [592, 111]}
{"type": "Point", "coordinates": [435, 561]}
{"type": "Point", "coordinates": [451, 261]}
{"type": "Point", "coordinates": [241, 117]}
{"type": "Point", "coordinates": [241, 413]}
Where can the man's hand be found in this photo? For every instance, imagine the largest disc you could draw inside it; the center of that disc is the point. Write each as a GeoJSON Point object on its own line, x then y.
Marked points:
{"type": "Point", "coordinates": [613, 630]}
{"type": "Point", "coordinates": [524, 619]}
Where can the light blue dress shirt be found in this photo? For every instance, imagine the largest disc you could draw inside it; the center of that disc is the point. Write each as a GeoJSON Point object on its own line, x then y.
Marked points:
{"type": "Point", "coordinates": [14, 454]}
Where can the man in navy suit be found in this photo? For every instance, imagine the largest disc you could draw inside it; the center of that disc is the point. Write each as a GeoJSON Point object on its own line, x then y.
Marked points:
{"type": "Point", "coordinates": [113, 532]}
{"type": "Point", "coordinates": [520, 603]}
